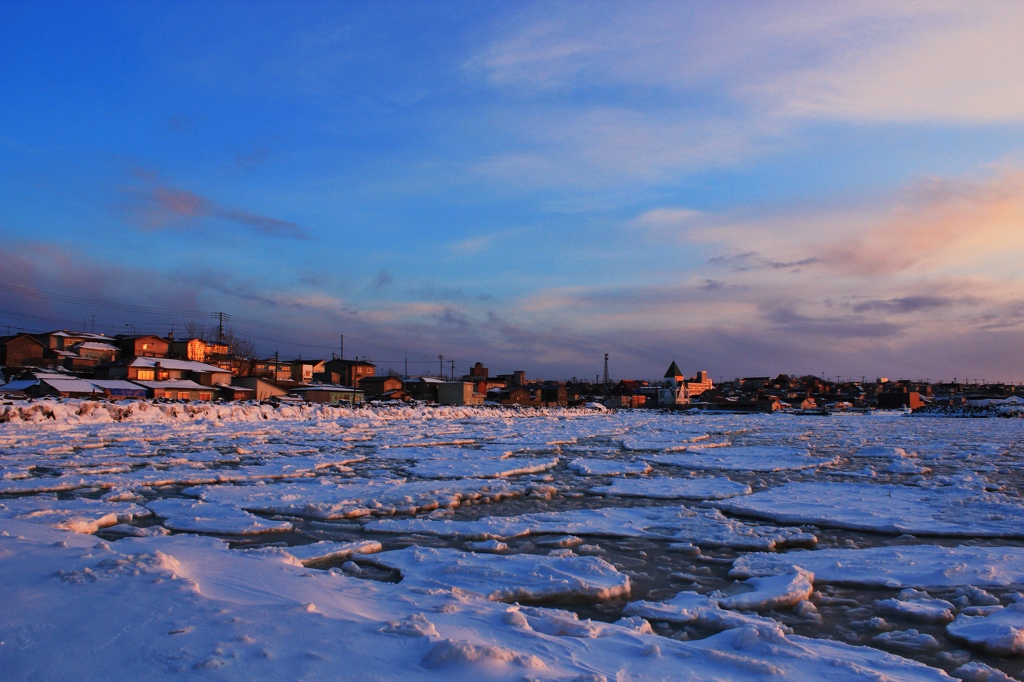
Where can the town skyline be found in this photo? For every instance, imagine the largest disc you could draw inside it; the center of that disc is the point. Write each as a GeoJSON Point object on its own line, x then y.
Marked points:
{"type": "Point", "coordinates": [817, 188]}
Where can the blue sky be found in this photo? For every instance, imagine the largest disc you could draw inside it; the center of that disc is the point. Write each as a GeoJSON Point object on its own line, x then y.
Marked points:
{"type": "Point", "coordinates": [745, 187]}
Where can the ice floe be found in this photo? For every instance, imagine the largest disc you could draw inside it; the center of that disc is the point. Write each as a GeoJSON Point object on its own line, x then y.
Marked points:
{"type": "Point", "coordinates": [919, 566]}
{"type": "Point", "coordinates": [880, 508]}
{"type": "Point", "coordinates": [668, 488]}
{"type": "Point", "coordinates": [1001, 633]}
{"type": "Point", "coordinates": [520, 577]}
{"type": "Point", "coordinates": [193, 516]}
{"type": "Point", "coordinates": [705, 527]}
{"type": "Point", "coordinates": [609, 467]}
{"type": "Point", "coordinates": [745, 458]}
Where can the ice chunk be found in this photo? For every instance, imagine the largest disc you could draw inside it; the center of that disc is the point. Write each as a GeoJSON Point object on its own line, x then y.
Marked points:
{"type": "Point", "coordinates": [317, 552]}
{"type": "Point", "coordinates": [747, 458]}
{"type": "Point", "coordinates": [921, 566]}
{"type": "Point", "coordinates": [704, 527]}
{"type": "Point", "coordinates": [1001, 633]}
{"type": "Point", "coordinates": [918, 607]}
{"type": "Point", "coordinates": [609, 467]}
{"type": "Point", "coordinates": [893, 509]}
{"type": "Point", "coordinates": [519, 577]}
{"type": "Point", "coordinates": [480, 468]}
{"type": "Point", "coordinates": [772, 592]}
{"type": "Point", "coordinates": [193, 516]}
{"type": "Point", "coordinates": [664, 487]}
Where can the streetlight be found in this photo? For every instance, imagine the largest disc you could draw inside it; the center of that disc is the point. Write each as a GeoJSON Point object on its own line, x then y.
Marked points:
{"type": "Point", "coordinates": [129, 324]}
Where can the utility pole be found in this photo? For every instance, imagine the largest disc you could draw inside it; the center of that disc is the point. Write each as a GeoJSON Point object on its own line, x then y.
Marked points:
{"type": "Point", "coordinates": [406, 366]}
{"type": "Point", "coordinates": [453, 371]}
{"type": "Point", "coordinates": [440, 366]}
{"type": "Point", "coordinates": [341, 355]}
{"type": "Point", "coordinates": [606, 368]}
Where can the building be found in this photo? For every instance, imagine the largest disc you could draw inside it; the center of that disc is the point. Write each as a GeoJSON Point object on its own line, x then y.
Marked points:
{"type": "Point", "coordinates": [458, 393]}
{"type": "Point", "coordinates": [676, 390]}
{"type": "Point", "coordinates": [25, 350]}
{"type": "Point", "coordinates": [423, 388]}
{"type": "Point", "coordinates": [177, 389]}
{"type": "Point", "coordinates": [199, 350]}
{"type": "Point", "coordinates": [345, 372]}
{"type": "Point", "coordinates": [898, 399]}
{"type": "Point", "coordinates": [262, 389]}
{"type": "Point", "coordinates": [329, 394]}
{"type": "Point", "coordinates": [147, 346]}
{"type": "Point", "coordinates": [163, 369]}
{"type": "Point", "coordinates": [375, 386]}
{"type": "Point", "coordinates": [302, 371]}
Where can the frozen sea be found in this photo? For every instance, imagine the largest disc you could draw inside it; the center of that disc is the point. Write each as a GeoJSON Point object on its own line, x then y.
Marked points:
{"type": "Point", "coordinates": [251, 542]}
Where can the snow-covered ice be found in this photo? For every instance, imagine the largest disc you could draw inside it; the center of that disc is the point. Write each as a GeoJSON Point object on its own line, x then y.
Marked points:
{"type": "Point", "coordinates": [747, 458]}
{"type": "Point", "coordinates": [669, 488]}
{"type": "Point", "coordinates": [283, 495]}
{"type": "Point", "coordinates": [921, 566]}
{"type": "Point", "coordinates": [896, 509]}
{"type": "Point", "coordinates": [1001, 633]}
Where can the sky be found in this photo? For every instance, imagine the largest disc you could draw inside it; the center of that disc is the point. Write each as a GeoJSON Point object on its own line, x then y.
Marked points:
{"type": "Point", "coordinates": [747, 188]}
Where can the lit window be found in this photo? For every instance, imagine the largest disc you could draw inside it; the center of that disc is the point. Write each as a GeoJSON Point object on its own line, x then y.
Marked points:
{"type": "Point", "coordinates": [145, 346]}
{"type": "Point", "coordinates": [206, 396]}
{"type": "Point", "coordinates": [145, 375]}
{"type": "Point", "coordinates": [183, 395]}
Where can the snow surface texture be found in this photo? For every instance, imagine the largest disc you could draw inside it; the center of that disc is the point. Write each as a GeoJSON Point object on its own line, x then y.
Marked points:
{"type": "Point", "coordinates": [300, 490]}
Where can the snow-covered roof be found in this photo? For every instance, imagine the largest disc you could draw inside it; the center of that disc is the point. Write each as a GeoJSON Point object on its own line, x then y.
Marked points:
{"type": "Point", "coordinates": [325, 387]}
{"type": "Point", "coordinates": [167, 363]}
{"type": "Point", "coordinates": [186, 384]}
{"type": "Point", "coordinates": [66, 385]}
{"type": "Point", "coordinates": [115, 384]}
{"type": "Point", "coordinates": [96, 345]}
{"type": "Point", "coordinates": [81, 335]}
{"type": "Point", "coordinates": [19, 385]}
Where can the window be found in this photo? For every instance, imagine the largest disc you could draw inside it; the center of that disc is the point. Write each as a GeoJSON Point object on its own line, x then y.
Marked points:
{"type": "Point", "coordinates": [183, 395]}
{"type": "Point", "coordinates": [145, 346]}
{"type": "Point", "coordinates": [206, 396]}
{"type": "Point", "coordinates": [144, 375]}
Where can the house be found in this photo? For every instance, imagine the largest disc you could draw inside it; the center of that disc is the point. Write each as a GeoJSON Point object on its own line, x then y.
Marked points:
{"type": "Point", "coordinates": [458, 393]}
{"type": "Point", "coordinates": [345, 372]}
{"type": "Point", "coordinates": [116, 389]}
{"type": "Point", "coordinates": [423, 388]}
{"type": "Point", "coordinates": [147, 346]}
{"type": "Point", "coordinates": [177, 389]}
{"type": "Point", "coordinates": [273, 370]}
{"type": "Point", "coordinates": [899, 398]}
{"type": "Point", "coordinates": [302, 371]}
{"type": "Point", "coordinates": [163, 369]}
{"type": "Point", "coordinates": [263, 390]}
{"type": "Point", "coordinates": [329, 394]}
{"type": "Point", "coordinates": [375, 386]}
{"type": "Point", "coordinates": [25, 350]}
{"type": "Point", "coordinates": [96, 352]}
{"type": "Point", "coordinates": [233, 392]}
{"type": "Point", "coordinates": [199, 350]}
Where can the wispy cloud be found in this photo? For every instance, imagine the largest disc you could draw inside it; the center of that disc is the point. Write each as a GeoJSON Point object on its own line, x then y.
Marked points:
{"type": "Point", "coordinates": [160, 205]}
